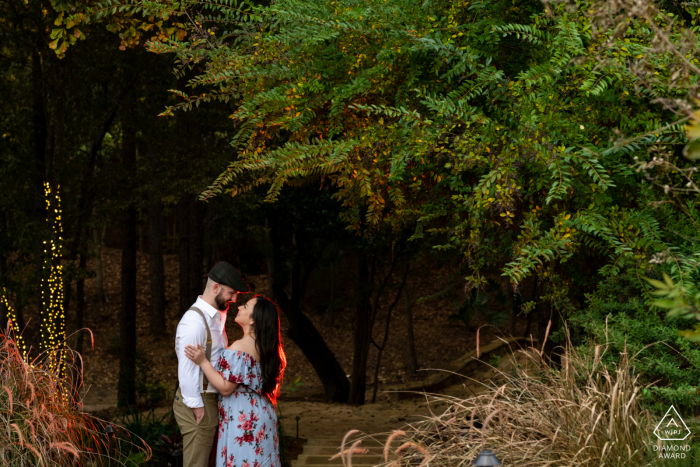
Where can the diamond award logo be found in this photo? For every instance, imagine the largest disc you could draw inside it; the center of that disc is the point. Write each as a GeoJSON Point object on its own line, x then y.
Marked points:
{"type": "Point", "coordinates": [672, 427]}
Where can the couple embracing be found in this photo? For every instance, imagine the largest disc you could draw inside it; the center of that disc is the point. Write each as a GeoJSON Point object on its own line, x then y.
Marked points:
{"type": "Point", "coordinates": [232, 389]}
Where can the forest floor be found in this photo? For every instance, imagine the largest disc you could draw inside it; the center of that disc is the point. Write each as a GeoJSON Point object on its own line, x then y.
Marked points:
{"type": "Point", "coordinates": [438, 340]}
{"type": "Point", "coordinates": [321, 419]}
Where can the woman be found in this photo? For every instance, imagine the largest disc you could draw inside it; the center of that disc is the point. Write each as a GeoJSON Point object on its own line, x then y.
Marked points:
{"type": "Point", "coordinates": [248, 376]}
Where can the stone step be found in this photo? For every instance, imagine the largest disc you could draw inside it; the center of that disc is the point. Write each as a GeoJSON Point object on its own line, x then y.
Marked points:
{"type": "Point", "coordinates": [332, 450]}
{"type": "Point", "coordinates": [357, 459]}
{"type": "Point", "coordinates": [335, 442]}
{"type": "Point", "coordinates": [318, 451]}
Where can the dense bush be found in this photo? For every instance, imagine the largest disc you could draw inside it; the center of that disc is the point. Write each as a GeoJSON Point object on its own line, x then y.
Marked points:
{"type": "Point", "coordinates": [619, 314]}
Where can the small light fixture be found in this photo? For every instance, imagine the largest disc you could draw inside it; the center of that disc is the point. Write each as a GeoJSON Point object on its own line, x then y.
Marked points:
{"type": "Point", "coordinates": [109, 430]}
{"type": "Point", "coordinates": [486, 458]}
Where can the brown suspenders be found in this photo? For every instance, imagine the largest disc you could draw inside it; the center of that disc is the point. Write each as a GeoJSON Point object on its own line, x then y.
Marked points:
{"type": "Point", "coordinates": [205, 381]}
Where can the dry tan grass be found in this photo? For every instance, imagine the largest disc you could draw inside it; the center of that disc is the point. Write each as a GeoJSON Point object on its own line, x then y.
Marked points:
{"type": "Point", "coordinates": [579, 413]}
{"type": "Point", "coordinates": [40, 423]}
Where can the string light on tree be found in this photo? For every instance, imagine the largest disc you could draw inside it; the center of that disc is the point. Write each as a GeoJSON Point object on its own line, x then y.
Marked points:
{"type": "Point", "coordinates": [13, 321]}
{"type": "Point", "coordinates": [53, 320]}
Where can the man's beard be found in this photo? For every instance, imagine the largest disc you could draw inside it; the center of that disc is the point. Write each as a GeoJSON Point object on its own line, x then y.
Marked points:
{"type": "Point", "coordinates": [221, 304]}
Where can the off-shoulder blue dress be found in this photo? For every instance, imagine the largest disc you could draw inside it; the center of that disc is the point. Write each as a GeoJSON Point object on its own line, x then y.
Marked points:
{"type": "Point", "coordinates": [247, 418]}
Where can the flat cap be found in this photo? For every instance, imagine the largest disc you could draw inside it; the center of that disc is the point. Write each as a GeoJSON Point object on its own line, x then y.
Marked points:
{"type": "Point", "coordinates": [224, 273]}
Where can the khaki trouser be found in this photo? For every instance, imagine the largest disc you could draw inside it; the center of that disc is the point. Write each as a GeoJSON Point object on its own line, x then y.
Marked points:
{"type": "Point", "coordinates": [197, 440]}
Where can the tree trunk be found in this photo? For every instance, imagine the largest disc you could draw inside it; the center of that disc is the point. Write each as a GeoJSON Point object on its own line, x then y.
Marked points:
{"type": "Point", "coordinates": [533, 298]}
{"type": "Point", "coordinates": [183, 232]}
{"type": "Point", "coordinates": [380, 348]}
{"type": "Point", "coordinates": [77, 369]}
{"type": "Point", "coordinates": [517, 306]}
{"type": "Point", "coordinates": [510, 304]}
{"type": "Point", "coordinates": [86, 196]}
{"type": "Point", "coordinates": [411, 341]}
{"type": "Point", "coordinates": [55, 124]}
{"type": "Point", "coordinates": [362, 334]}
{"type": "Point", "coordinates": [40, 133]}
{"type": "Point", "coordinates": [197, 213]}
{"type": "Point", "coordinates": [545, 319]}
{"type": "Point", "coordinates": [126, 394]}
{"type": "Point", "coordinates": [270, 252]}
{"type": "Point", "coordinates": [3, 310]}
{"type": "Point", "coordinates": [99, 241]}
{"type": "Point", "coordinates": [331, 303]}
{"type": "Point", "coordinates": [80, 303]}
{"type": "Point", "coordinates": [156, 267]}
{"type": "Point", "coordinates": [19, 308]}
{"type": "Point", "coordinates": [301, 330]}
{"type": "Point", "coordinates": [207, 249]}
{"type": "Point", "coordinates": [3, 317]}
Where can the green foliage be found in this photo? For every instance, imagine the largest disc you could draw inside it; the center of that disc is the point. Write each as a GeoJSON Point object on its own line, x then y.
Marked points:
{"type": "Point", "coordinates": [482, 302]}
{"type": "Point", "coordinates": [293, 386]}
{"type": "Point", "coordinates": [619, 314]}
{"type": "Point", "coordinates": [147, 426]}
{"type": "Point", "coordinates": [493, 125]}
{"type": "Point", "coordinates": [147, 429]}
{"type": "Point", "coordinates": [150, 392]}
{"type": "Point", "coordinates": [512, 132]}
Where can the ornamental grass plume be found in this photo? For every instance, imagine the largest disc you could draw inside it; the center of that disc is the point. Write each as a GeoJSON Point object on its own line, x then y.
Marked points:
{"type": "Point", "coordinates": [41, 423]}
{"type": "Point", "coordinates": [579, 413]}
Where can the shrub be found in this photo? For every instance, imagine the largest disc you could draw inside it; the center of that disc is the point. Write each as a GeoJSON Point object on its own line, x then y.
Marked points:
{"type": "Point", "coordinates": [44, 424]}
{"type": "Point", "coordinates": [583, 413]}
{"type": "Point", "coordinates": [161, 433]}
{"type": "Point", "coordinates": [150, 391]}
{"type": "Point", "coordinates": [618, 315]}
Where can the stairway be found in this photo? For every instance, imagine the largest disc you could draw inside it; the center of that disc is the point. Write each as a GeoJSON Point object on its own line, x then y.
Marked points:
{"type": "Point", "coordinates": [317, 453]}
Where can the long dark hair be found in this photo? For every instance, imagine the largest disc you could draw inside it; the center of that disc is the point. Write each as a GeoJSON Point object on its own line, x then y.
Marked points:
{"type": "Point", "coordinates": [268, 342]}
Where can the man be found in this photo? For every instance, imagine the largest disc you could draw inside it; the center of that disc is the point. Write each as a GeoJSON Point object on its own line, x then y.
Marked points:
{"type": "Point", "coordinates": [196, 401]}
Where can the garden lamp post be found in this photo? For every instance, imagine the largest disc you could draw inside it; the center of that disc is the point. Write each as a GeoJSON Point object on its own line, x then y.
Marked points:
{"type": "Point", "coordinates": [486, 458]}
{"type": "Point", "coordinates": [109, 430]}
{"type": "Point", "coordinates": [177, 455]}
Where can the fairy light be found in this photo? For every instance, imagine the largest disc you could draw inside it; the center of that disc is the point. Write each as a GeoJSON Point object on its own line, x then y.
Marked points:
{"type": "Point", "coordinates": [53, 320]}
{"type": "Point", "coordinates": [13, 320]}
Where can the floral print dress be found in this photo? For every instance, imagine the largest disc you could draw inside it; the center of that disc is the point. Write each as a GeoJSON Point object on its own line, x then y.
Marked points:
{"type": "Point", "coordinates": [247, 418]}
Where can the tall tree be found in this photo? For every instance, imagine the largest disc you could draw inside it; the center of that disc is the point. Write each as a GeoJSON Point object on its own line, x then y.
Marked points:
{"type": "Point", "coordinates": [362, 332]}
{"type": "Point", "coordinates": [39, 140]}
{"type": "Point", "coordinates": [290, 270]}
{"type": "Point", "coordinates": [410, 339]}
{"type": "Point", "coordinates": [155, 249]}
{"type": "Point", "coordinates": [196, 271]}
{"type": "Point", "coordinates": [373, 280]}
{"type": "Point", "coordinates": [184, 232]}
{"type": "Point", "coordinates": [127, 315]}
{"type": "Point", "coordinates": [381, 346]}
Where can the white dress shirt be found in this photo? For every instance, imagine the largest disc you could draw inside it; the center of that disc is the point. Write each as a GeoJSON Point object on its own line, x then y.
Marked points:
{"type": "Point", "coordinates": [191, 331]}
